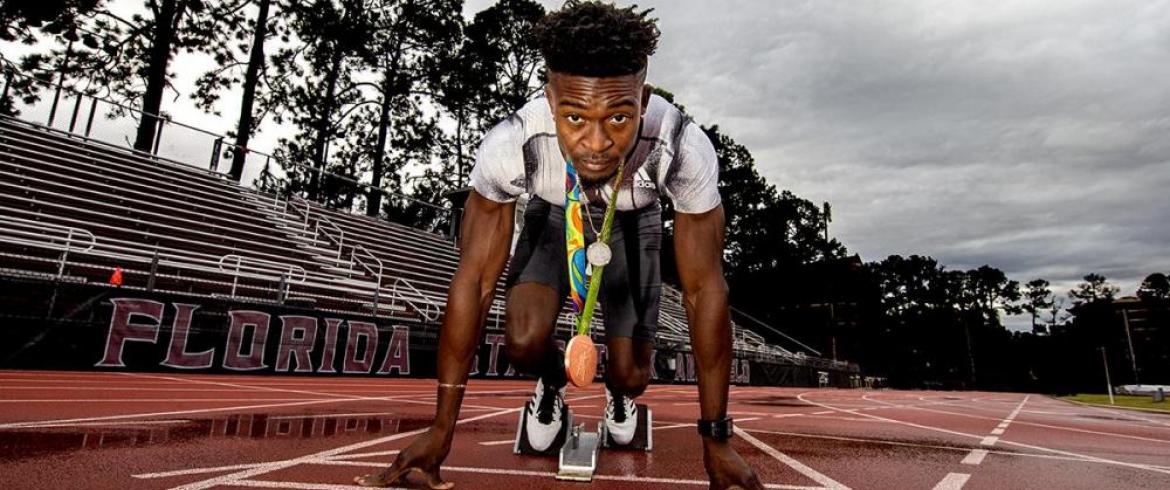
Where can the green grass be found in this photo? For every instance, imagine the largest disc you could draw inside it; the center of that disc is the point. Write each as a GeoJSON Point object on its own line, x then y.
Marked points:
{"type": "Point", "coordinates": [1122, 401]}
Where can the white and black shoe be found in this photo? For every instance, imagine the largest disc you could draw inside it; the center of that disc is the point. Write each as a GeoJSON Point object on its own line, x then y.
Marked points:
{"type": "Point", "coordinates": [621, 417]}
{"type": "Point", "coordinates": [545, 415]}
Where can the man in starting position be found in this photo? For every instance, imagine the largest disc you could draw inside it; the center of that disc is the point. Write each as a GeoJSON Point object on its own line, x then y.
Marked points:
{"type": "Point", "coordinates": [597, 123]}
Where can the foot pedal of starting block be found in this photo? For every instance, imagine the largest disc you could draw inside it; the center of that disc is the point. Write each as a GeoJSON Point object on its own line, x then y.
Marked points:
{"type": "Point", "coordinates": [578, 459]}
{"type": "Point", "coordinates": [643, 435]}
{"type": "Point", "coordinates": [521, 446]}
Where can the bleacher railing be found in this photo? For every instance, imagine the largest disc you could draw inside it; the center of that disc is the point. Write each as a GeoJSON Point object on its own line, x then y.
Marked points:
{"type": "Point", "coordinates": [430, 308]}
{"type": "Point", "coordinates": [240, 266]}
{"type": "Point", "coordinates": [400, 290]}
{"type": "Point", "coordinates": [66, 239]}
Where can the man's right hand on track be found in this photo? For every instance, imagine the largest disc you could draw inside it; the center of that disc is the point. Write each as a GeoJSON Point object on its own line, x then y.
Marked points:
{"type": "Point", "coordinates": [422, 457]}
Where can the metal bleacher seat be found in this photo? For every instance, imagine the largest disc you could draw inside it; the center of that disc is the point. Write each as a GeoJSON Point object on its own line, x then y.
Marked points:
{"type": "Point", "coordinates": [74, 208]}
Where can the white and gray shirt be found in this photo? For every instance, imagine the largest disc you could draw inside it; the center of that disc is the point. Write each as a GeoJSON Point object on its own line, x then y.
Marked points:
{"type": "Point", "coordinates": [672, 156]}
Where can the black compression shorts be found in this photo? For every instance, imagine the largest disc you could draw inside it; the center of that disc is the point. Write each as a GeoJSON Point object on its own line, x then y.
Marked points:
{"type": "Point", "coordinates": [631, 286]}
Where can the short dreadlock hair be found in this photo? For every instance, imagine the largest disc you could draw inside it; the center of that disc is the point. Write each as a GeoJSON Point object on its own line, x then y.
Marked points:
{"type": "Point", "coordinates": [594, 39]}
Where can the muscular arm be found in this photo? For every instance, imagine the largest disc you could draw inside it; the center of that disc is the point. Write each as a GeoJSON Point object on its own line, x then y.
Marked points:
{"type": "Point", "coordinates": [698, 248]}
{"type": "Point", "coordinates": [485, 238]}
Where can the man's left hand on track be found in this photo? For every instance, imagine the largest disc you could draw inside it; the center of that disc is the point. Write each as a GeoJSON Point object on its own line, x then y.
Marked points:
{"type": "Point", "coordinates": [727, 469]}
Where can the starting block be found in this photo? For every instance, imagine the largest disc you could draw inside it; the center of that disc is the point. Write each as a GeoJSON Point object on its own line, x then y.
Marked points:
{"type": "Point", "coordinates": [643, 435]}
{"type": "Point", "coordinates": [578, 459]}
{"type": "Point", "coordinates": [521, 446]}
{"type": "Point", "coordinates": [577, 449]}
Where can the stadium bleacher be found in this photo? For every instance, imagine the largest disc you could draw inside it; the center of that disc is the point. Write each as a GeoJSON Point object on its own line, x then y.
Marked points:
{"type": "Point", "coordinates": [76, 209]}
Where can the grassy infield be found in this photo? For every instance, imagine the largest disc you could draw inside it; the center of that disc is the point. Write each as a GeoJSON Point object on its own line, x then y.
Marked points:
{"type": "Point", "coordinates": [1146, 402]}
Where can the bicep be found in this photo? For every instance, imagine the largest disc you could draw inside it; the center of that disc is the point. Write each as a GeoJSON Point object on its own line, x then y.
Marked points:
{"type": "Point", "coordinates": [485, 237]}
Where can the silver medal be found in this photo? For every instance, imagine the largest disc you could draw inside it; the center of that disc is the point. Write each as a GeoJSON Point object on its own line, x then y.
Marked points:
{"type": "Point", "coordinates": [598, 254]}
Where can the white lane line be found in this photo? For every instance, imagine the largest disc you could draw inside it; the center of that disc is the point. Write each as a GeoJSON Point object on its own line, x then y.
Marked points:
{"type": "Point", "coordinates": [673, 426]}
{"type": "Point", "coordinates": [1156, 469]}
{"type": "Point", "coordinates": [953, 481]}
{"type": "Point", "coordinates": [372, 454]}
{"type": "Point", "coordinates": [217, 469]}
{"type": "Point", "coordinates": [549, 474]}
{"type": "Point", "coordinates": [19, 425]}
{"type": "Point", "coordinates": [975, 457]}
{"type": "Point", "coordinates": [930, 446]}
{"type": "Point", "coordinates": [115, 388]}
{"type": "Point", "coordinates": [237, 386]}
{"type": "Point", "coordinates": [300, 485]}
{"type": "Point", "coordinates": [1012, 416]}
{"type": "Point", "coordinates": [1057, 427]}
{"type": "Point", "coordinates": [500, 442]}
{"type": "Point", "coordinates": [999, 429]}
{"type": "Point", "coordinates": [814, 475]}
{"type": "Point", "coordinates": [232, 478]}
{"type": "Point", "coordinates": [197, 471]}
{"type": "Point", "coordinates": [405, 397]}
{"type": "Point", "coordinates": [332, 415]}
{"type": "Point", "coordinates": [1133, 414]}
{"type": "Point", "coordinates": [330, 453]}
{"type": "Point", "coordinates": [761, 414]}
{"type": "Point", "coordinates": [156, 400]}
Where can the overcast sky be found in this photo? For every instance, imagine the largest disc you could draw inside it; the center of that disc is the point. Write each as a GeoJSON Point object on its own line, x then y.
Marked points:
{"type": "Point", "coordinates": [1031, 136]}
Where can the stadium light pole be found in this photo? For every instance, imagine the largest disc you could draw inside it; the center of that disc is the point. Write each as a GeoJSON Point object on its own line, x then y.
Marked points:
{"type": "Point", "coordinates": [826, 217]}
{"type": "Point", "coordinates": [1129, 340]}
{"type": "Point", "coordinates": [1108, 383]}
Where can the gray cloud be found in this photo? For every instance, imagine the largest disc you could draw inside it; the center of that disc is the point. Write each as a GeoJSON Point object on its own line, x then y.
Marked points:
{"type": "Point", "coordinates": [1032, 137]}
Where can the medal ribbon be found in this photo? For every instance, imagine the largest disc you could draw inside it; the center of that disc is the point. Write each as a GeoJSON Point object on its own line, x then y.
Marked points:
{"type": "Point", "coordinates": [584, 300]}
{"type": "Point", "coordinates": [575, 239]}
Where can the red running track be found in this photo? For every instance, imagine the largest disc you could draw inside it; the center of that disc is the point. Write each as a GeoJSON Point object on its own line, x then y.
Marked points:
{"type": "Point", "coordinates": [121, 430]}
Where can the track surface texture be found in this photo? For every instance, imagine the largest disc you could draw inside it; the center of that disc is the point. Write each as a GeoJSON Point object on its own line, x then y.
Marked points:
{"type": "Point", "coordinates": [147, 430]}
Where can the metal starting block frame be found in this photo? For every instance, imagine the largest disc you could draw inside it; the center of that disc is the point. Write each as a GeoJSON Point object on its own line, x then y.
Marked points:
{"type": "Point", "coordinates": [577, 449]}
{"type": "Point", "coordinates": [578, 459]}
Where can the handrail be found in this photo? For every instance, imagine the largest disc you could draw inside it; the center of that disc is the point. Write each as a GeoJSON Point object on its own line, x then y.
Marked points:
{"type": "Point", "coordinates": [294, 272]}
{"type": "Point", "coordinates": [356, 250]}
{"type": "Point", "coordinates": [431, 304]}
{"type": "Point", "coordinates": [377, 275]}
{"type": "Point", "coordinates": [41, 226]}
{"type": "Point", "coordinates": [285, 277]}
{"type": "Point", "coordinates": [29, 225]}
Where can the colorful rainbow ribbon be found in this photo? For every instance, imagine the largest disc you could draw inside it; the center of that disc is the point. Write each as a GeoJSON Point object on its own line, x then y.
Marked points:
{"type": "Point", "coordinates": [575, 239]}
{"type": "Point", "coordinates": [584, 300]}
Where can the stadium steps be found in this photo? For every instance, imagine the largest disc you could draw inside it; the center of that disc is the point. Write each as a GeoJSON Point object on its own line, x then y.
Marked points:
{"type": "Point", "coordinates": [140, 206]}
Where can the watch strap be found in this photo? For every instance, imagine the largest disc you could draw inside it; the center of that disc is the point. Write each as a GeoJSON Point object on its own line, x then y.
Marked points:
{"type": "Point", "coordinates": [720, 430]}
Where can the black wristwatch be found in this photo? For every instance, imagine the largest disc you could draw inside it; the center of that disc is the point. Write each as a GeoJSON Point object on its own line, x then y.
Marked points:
{"type": "Point", "coordinates": [720, 430]}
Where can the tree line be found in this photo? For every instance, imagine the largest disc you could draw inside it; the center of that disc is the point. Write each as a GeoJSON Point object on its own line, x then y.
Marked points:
{"type": "Point", "coordinates": [395, 95]}
{"type": "Point", "coordinates": [365, 88]}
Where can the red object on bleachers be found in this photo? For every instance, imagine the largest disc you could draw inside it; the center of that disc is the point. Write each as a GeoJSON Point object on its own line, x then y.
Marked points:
{"type": "Point", "coordinates": [116, 277]}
